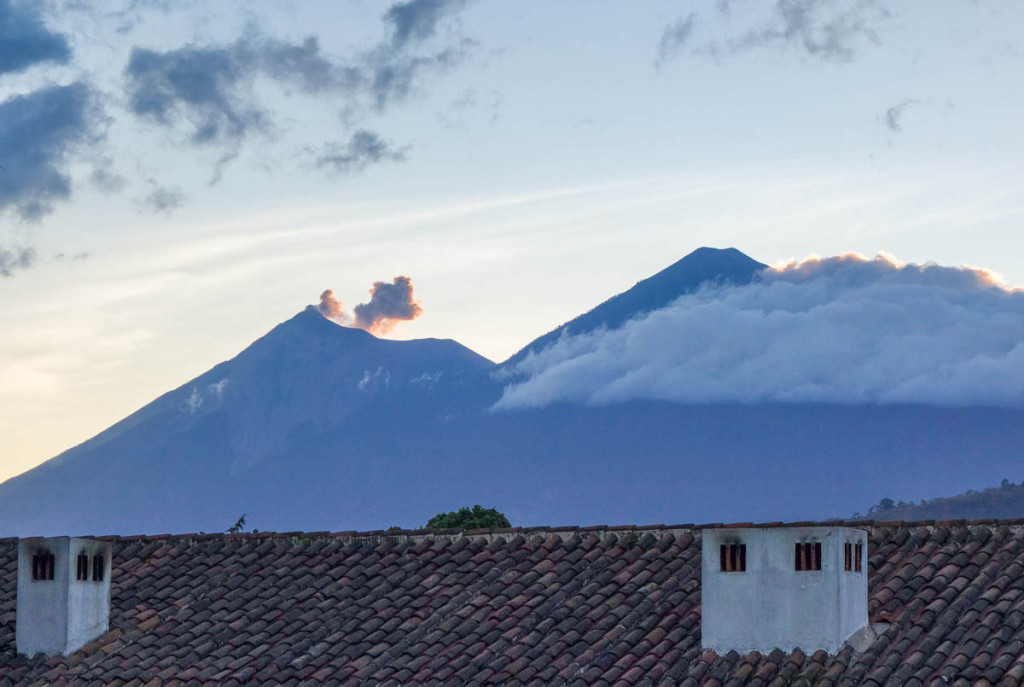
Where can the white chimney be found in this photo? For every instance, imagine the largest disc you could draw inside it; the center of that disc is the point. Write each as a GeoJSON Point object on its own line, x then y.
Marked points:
{"type": "Point", "coordinates": [63, 594]}
{"type": "Point", "coordinates": [782, 587]}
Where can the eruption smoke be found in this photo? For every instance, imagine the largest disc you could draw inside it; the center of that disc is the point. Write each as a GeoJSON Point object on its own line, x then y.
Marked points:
{"type": "Point", "coordinates": [331, 308]}
{"type": "Point", "coordinates": [389, 304]}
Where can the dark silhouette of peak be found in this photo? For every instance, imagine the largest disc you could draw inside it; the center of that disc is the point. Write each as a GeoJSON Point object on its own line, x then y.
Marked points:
{"type": "Point", "coordinates": [310, 331]}
{"type": "Point", "coordinates": [310, 328]}
{"type": "Point", "coordinates": [310, 322]}
{"type": "Point", "coordinates": [704, 265]}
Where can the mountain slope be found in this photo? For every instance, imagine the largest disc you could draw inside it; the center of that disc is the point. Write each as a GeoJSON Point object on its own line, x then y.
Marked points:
{"type": "Point", "coordinates": [294, 372]}
{"type": "Point", "coordinates": [715, 265]}
{"type": "Point", "coordinates": [316, 426]}
{"type": "Point", "coordinates": [172, 460]}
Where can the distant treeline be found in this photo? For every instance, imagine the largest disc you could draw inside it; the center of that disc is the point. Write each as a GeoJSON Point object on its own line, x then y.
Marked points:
{"type": "Point", "coordinates": [1003, 502]}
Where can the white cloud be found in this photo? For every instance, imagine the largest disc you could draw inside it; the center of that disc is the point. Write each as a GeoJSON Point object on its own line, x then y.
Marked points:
{"type": "Point", "coordinates": [194, 402]}
{"type": "Point", "coordinates": [377, 380]}
{"type": "Point", "coordinates": [836, 330]}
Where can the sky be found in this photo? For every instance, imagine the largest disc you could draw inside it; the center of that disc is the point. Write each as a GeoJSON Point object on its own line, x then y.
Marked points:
{"type": "Point", "coordinates": [178, 177]}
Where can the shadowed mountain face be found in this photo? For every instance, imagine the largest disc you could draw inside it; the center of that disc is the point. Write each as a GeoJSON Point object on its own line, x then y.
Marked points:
{"type": "Point", "coordinates": [308, 379]}
{"type": "Point", "coordinates": [317, 426]}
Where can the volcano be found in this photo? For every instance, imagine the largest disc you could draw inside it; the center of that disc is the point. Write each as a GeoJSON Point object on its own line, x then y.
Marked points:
{"type": "Point", "coordinates": [316, 426]}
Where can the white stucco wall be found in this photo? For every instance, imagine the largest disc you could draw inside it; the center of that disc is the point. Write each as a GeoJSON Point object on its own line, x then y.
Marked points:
{"type": "Point", "coordinates": [61, 615]}
{"type": "Point", "coordinates": [771, 605]}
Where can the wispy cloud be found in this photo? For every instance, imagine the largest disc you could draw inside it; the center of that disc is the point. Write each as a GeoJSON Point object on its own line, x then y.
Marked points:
{"type": "Point", "coordinates": [820, 28]}
{"type": "Point", "coordinates": [162, 199]}
{"type": "Point", "coordinates": [207, 87]}
{"type": "Point", "coordinates": [456, 114]}
{"type": "Point", "coordinates": [305, 67]}
{"type": "Point", "coordinates": [207, 92]}
{"type": "Point", "coordinates": [417, 20]}
{"type": "Point", "coordinates": [836, 330]}
{"type": "Point", "coordinates": [106, 179]}
{"type": "Point", "coordinates": [394, 68]}
{"type": "Point", "coordinates": [39, 132]}
{"type": "Point", "coordinates": [363, 149]}
{"type": "Point", "coordinates": [675, 38]}
{"type": "Point", "coordinates": [135, 11]}
{"type": "Point", "coordinates": [24, 39]}
{"type": "Point", "coordinates": [77, 257]}
{"type": "Point", "coordinates": [827, 30]}
{"type": "Point", "coordinates": [894, 115]}
{"type": "Point", "coordinates": [12, 260]}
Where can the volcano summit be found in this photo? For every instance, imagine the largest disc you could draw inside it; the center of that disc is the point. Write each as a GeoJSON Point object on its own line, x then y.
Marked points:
{"type": "Point", "coordinates": [717, 389]}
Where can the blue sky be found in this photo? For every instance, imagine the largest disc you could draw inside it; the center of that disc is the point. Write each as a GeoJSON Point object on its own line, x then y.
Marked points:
{"type": "Point", "coordinates": [178, 177]}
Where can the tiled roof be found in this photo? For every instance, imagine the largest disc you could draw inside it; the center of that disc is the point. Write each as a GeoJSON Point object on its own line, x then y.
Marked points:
{"type": "Point", "coordinates": [587, 606]}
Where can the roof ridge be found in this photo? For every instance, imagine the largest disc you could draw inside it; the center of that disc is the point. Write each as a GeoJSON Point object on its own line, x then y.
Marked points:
{"type": "Point", "coordinates": [561, 530]}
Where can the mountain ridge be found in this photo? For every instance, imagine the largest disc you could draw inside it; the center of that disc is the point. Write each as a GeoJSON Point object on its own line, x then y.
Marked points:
{"type": "Point", "coordinates": [686, 275]}
{"type": "Point", "coordinates": [316, 426]}
{"type": "Point", "coordinates": [1003, 502]}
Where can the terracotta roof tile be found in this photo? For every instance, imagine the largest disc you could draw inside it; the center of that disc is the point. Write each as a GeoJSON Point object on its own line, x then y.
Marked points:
{"type": "Point", "coordinates": [615, 606]}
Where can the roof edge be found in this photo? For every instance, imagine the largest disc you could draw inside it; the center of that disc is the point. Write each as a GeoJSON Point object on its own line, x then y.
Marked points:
{"type": "Point", "coordinates": [564, 531]}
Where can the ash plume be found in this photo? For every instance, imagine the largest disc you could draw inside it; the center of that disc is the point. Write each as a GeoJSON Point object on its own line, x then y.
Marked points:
{"type": "Point", "coordinates": [389, 304]}
{"type": "Point", "coordinates": [333, 309]}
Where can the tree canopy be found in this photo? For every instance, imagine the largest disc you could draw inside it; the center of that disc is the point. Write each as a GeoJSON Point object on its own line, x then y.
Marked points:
{"type": "Point", "coordinates": [467, 518]}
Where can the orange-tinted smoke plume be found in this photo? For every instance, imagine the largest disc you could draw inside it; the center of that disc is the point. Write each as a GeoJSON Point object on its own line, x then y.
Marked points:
{"type": "Point", "coordinates": [389, 304]}
{"type": "Point", "coordinates": [331, 308]}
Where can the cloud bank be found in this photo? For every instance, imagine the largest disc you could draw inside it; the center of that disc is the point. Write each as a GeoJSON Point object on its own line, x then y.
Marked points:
{"type": "Point", "coordinates": [845, 330]}
{"type": "Point", "coordinates": [38, 133]}
{"type": "Point", "coordinates": [24, 39]}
